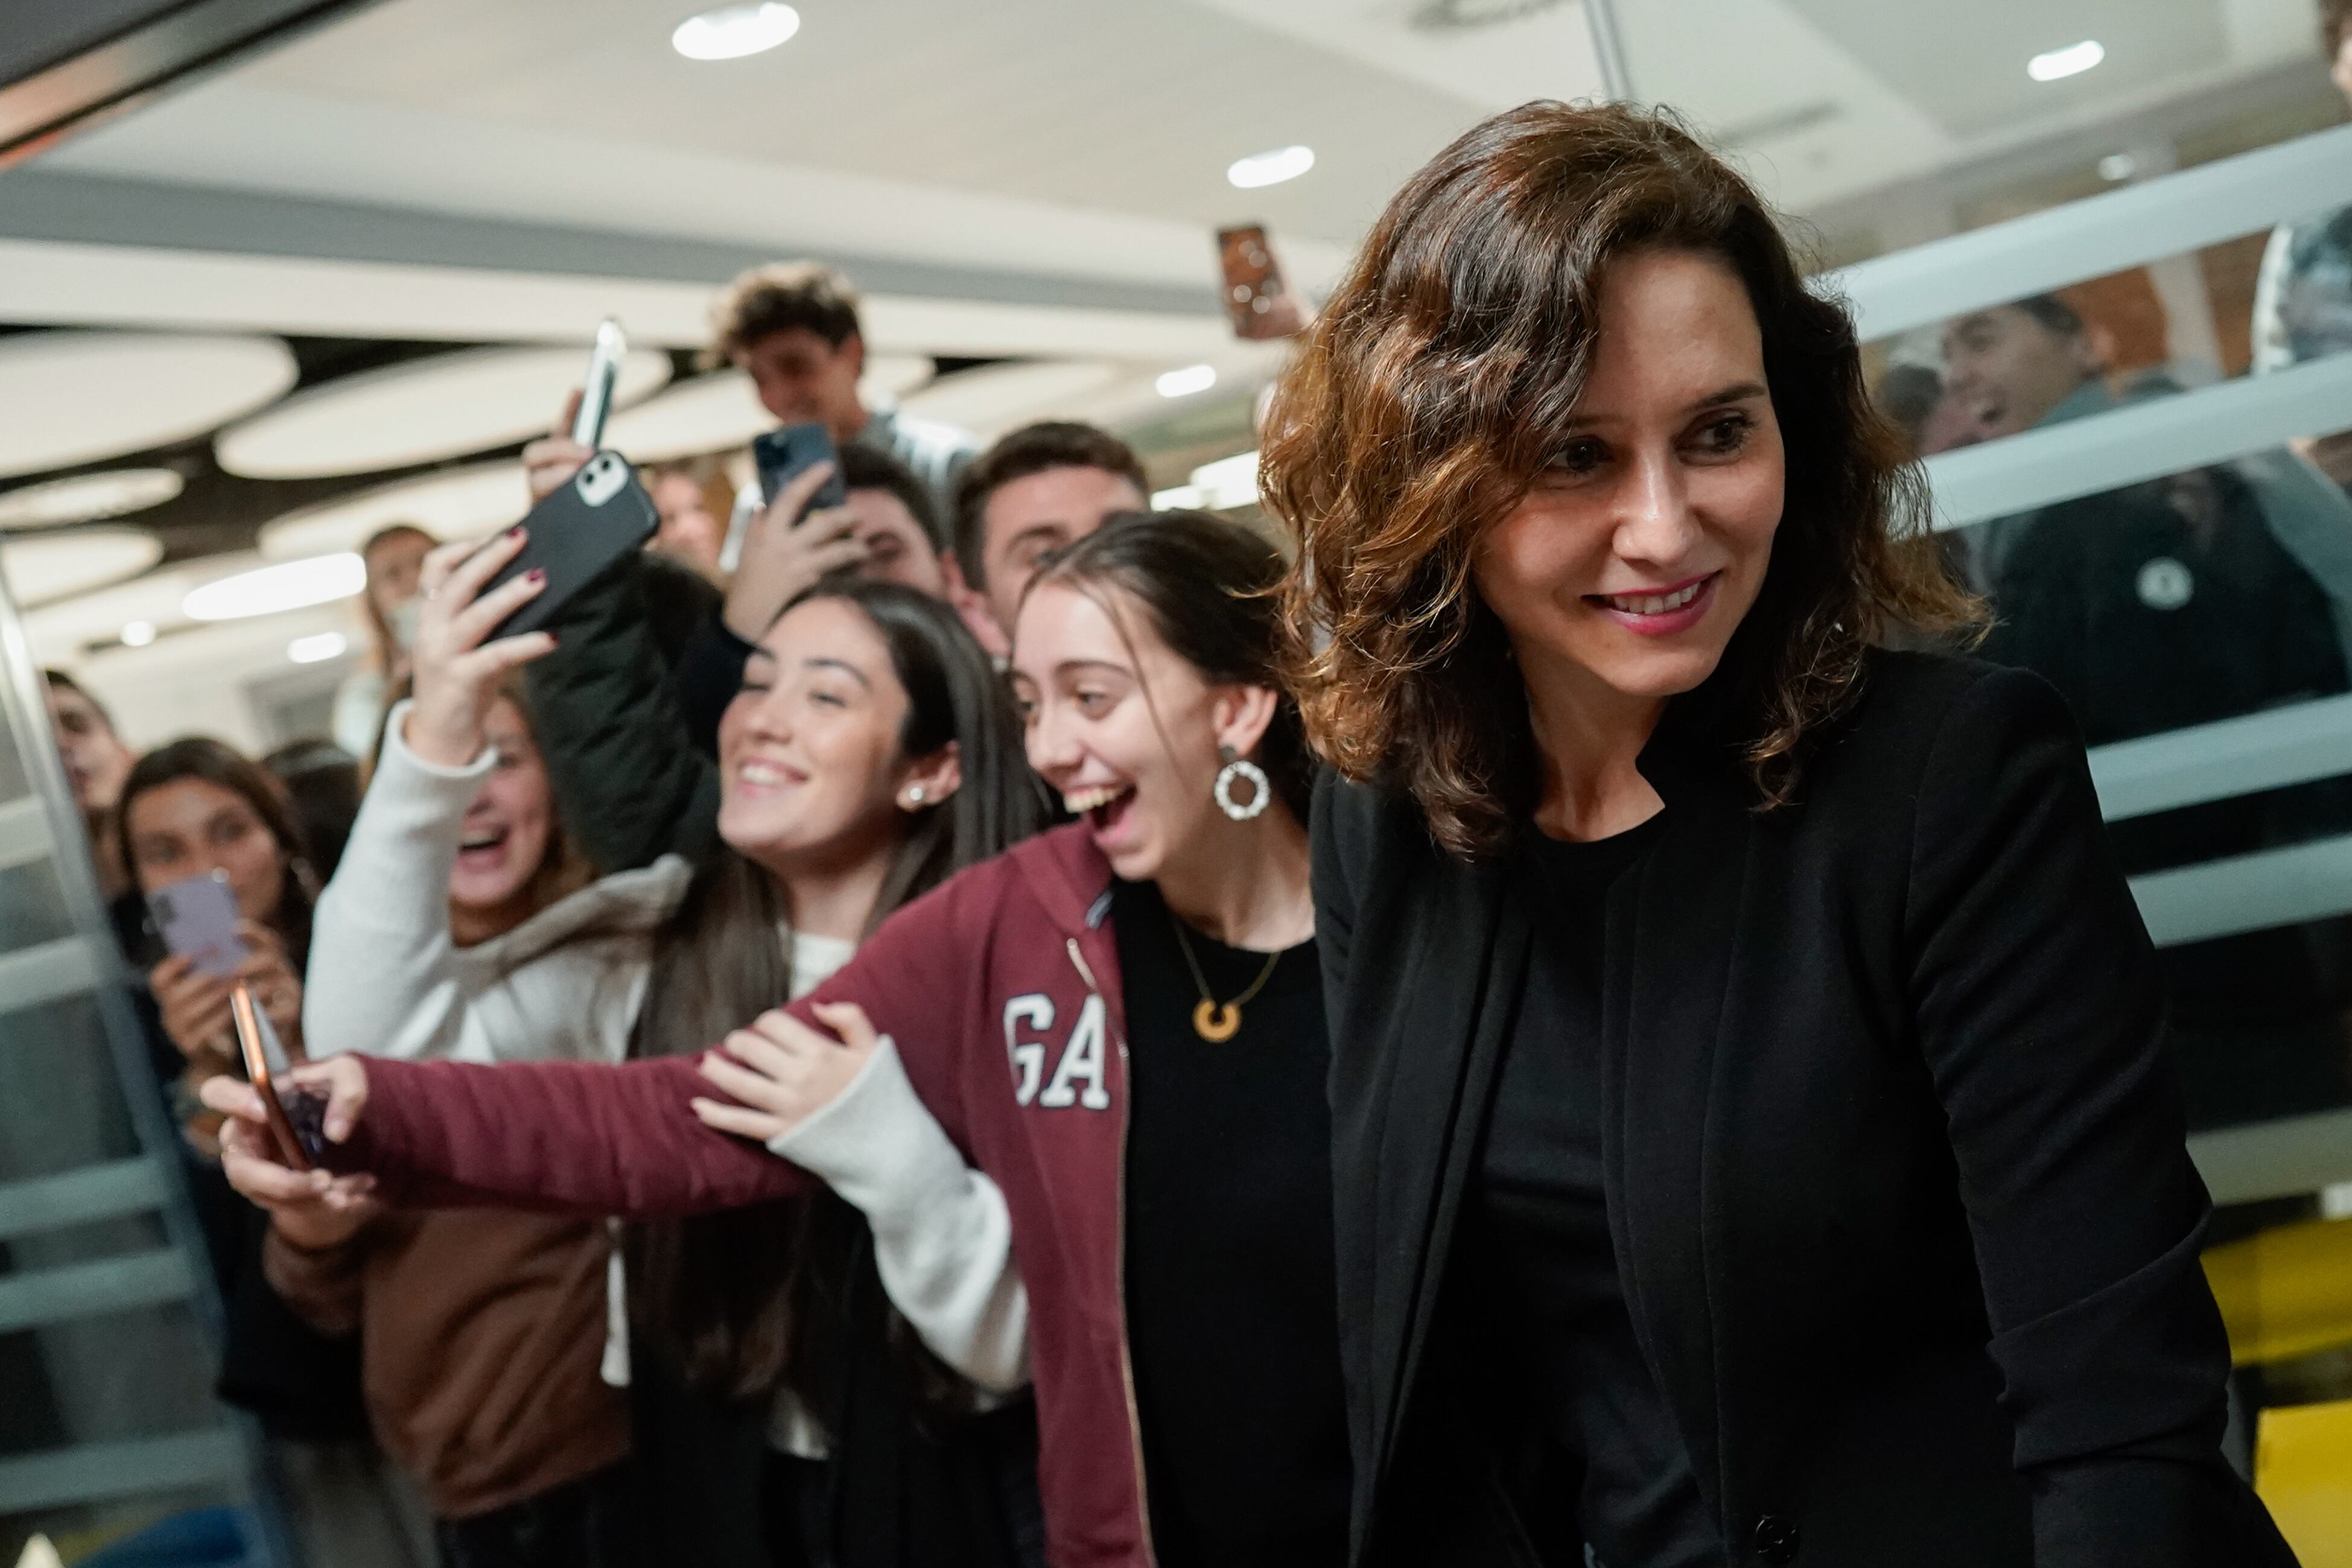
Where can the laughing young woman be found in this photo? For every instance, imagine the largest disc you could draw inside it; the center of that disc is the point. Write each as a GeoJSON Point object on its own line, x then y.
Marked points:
{"type": "Point", "coordinates": [1755, 1133]}
{"type": "Point", "coordinates": [871, 752]}
{"type": "Point", "coordinates": [1121, 1022]}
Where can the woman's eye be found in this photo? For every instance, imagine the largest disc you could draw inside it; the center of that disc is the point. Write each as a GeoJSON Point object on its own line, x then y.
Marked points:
{"type": "Point", "coordinates": [1580, 457]}
{"type": "Point", "coordinates": [828, 699]}
{"type": "Point", "coordinates": [1725, 436]}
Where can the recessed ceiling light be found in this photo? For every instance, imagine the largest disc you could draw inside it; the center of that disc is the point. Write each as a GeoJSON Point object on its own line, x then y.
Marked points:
{"type": "Point", "coordinates": [2118, 166]}
{"type": "Point", "coordinates": [733, 31]}
{"type": "Point", "coordinates": [2071, 61]}
{"type": "Point", "coordinates": [138, 633]}
{"type": "Point", "coordinates": [295, 585]}
{"type": "Point", "coordinates": [318, 647]}
{"type": "Point", "coordinates": [1186, 382]}
{"type": "Point", "coordinates": [1270, 168]}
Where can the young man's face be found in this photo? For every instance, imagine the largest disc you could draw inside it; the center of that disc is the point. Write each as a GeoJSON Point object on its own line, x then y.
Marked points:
{"type": "Point", "coordinates": [800, 378]}
{"type": "Point", "coordinates": [2007, 371]}
{"type": "Point", "coordinates": [1029, 518]}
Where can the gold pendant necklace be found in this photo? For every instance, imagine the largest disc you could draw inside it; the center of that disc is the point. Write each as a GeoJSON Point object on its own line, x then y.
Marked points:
{"type": "Point", "coordinates": [1213, 1020]}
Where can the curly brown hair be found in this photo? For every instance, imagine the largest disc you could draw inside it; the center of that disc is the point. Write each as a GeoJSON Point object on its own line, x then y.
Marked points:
{"type": "Point", "coordinates": [1437, 384]}
{"type": "Point", "coordinates": [779, 297]}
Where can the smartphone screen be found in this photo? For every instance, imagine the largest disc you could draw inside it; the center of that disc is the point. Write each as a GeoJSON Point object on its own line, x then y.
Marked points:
{"type": "Point", "coordinates": [596, 394]}
{"type": "Point", "coordinates": [197, 920]}
{"type": "Point", "coordinates": [1257, 301]}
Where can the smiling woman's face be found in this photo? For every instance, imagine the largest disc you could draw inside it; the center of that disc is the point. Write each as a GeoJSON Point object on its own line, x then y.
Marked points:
{"type": "Point", "coordinates": [509, 826]}
{"type": "Point", "coordinates": [808, 752]}
{"type": "Point", "coordinates": [1639, 550]}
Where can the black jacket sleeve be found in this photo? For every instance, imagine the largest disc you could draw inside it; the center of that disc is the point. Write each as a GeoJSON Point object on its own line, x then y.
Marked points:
{"type": "Point", "coordinates": [2040, 1014]}
{"type": "Point", "coordinates": [629, 781]}
{"type": "Point", "coordinates": [709, 672]}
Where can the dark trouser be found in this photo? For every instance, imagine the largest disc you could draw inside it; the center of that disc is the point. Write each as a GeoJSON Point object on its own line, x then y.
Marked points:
{"type": "Point", "coordinates": [592, 1523]}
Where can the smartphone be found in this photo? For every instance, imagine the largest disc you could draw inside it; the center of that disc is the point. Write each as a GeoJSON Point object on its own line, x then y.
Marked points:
{"type": "Point", "coordinates": [197, 919]}
{"type": "Point", "coordinates": [780, 456]}
{"type": "Point", "coordinates": [1258, 303]}
{"type": "Point", "coordinates": [575, 533]}
{"type": "Point", "coordinates": [596, 393]}
{"type": "Point", "coordinates": [298, 1117]}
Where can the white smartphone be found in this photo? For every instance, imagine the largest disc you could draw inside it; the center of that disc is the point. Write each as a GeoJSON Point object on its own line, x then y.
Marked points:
{"type": "Point", "coordinates": [197, 919]}
{"type": "Point", "coordinates": [604, 371]}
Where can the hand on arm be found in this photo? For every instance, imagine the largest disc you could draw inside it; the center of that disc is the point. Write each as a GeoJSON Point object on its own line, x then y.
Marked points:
{"type": "Point", "coordinates": [783, 1071]}
{"type": "Point", "coordinates": [785, 552]}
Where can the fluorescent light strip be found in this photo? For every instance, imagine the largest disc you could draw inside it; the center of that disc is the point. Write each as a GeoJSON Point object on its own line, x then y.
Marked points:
{"type": "Point", "coordinates": [2142, 440]}
{"type": "Point", "coordinates": [2266, 751]}
{"type": "Point", "coordinates": [2286, 887]}
{"type": "Point", "coordinates": [2099, 234]}
{"type": "Point", "coordinates": [31, 976]}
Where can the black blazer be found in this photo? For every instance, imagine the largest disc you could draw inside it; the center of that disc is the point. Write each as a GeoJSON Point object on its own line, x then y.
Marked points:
{"type": "Point", "coordinates": [1892, 1152]}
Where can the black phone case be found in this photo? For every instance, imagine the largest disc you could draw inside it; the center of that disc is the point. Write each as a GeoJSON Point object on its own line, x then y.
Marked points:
{"type": "Point", "coordinates": [595, 520]}
{"type": "Point", "coordinates": [781, 454]}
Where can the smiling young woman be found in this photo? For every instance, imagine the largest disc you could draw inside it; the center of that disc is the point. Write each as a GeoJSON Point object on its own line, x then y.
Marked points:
{"type": "Point", "coordinates": [1754, 1135]}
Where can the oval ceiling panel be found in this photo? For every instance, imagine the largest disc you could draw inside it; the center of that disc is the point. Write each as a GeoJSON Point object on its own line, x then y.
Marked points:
{"type": "Point", "coordinates": [82, 397]}
{"type": "Point", "coordinates": [89, 497]}
{"type": "Point", "coordinates": [458, 504]}
{"type": "Point", "coordinates": [58, 566]}
{"type": "Point", "coordinates": [420, 411]}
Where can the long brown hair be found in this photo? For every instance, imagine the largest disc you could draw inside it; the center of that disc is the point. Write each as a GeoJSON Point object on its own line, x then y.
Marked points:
{"type": "Point", "coordinates": [1437, 384]}
{"type": "Point", "coordinates": [742, 1297]}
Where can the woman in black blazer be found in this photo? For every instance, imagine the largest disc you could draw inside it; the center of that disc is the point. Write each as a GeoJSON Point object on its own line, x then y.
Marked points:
{"type": "Point", "coordinates": [1754, 1135]}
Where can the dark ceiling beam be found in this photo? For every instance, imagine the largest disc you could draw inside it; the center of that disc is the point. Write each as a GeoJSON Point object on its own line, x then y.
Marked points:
{"type": "Point", "coordinates": [66, 66]}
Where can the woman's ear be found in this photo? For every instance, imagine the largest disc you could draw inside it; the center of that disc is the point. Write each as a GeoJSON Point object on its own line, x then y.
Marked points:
{"type": "Point", "coordinates": [1240, 714]}
{"type": "Point", "coordinates": [931, 780]}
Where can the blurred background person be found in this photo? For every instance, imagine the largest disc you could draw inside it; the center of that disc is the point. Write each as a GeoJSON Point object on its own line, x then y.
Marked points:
{"type": "Point", "coordinates": [196, 807]}
{"type": "Point", "coordinates": [793, 327]}
{"type": "Point", "coordinates": [482, 1333]}
{"type": "Point", "coordinates": [393, 555]}
{"type": "Point", "coordinates": [1038, 488]}
{"type": "Point", "coordinates": [97, 763]}
{"type": "Point", "coordinates": [692, 497]}
{"type": "Point", "coordinates": [322, 782]}
{"type": "Point", "coordinates": [2303, 297]}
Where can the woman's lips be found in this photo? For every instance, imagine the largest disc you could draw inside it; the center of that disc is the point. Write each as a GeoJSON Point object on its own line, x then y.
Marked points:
{"type": "Point", "coordinates": [1661, 611]}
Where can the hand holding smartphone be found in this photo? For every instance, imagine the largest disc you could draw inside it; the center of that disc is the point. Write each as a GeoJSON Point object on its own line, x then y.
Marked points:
{"type": "Point", "coordinates": [1257, 301]}
{"type": "Point", "coordinates": [298, 1117]}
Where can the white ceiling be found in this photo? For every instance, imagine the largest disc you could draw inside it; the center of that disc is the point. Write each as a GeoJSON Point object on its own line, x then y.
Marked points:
{"type": "Point", "coordinates": [74, 397]}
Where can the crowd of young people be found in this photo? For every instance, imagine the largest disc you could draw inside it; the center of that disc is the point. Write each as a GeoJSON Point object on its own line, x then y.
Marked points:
{"type": "Point", "coordinates": [1511, 1032]}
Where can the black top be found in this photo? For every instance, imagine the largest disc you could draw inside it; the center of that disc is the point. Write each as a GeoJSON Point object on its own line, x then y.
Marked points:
{"type": "Point", "coordinates": [1232, 1318]}
{"type": "Point", "coordinates": [1893, 1149]}
{"type": "Point", "coordinates": [1597, 1458]}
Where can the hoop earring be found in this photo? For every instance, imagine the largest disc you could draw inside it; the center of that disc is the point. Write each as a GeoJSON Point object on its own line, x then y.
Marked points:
{"type": "Point", "coordinates": [1241, 768]}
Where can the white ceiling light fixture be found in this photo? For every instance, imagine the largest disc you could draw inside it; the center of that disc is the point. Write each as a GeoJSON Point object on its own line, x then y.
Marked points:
{"type": "Point", "coordinates": [317, 648]}
{"type": "Point", "coordinates": [2056, 65]}
{"type": "Point", "coordinates": [89, 497]}
{"type": "Point", "coordinates": [78, 397]}
{"type": "Point", "coordinates": [295, 585]}
{"type": "Point", "coordinates": [993, 399]}
{"type": "Point", "coordinates": [731, 32]}
{"type": "Point", "coordinates": [420, 411]}
{"type": "Point", "coordinates": [1186, 382]}
{"type": "Point", "coordinates": [1270, 168]}
{"type": "Point", "coordinates": [48, 566]}
{"type": "Point", "coordinates": [138, 633]}
{"type": "Point", "coordinates": [453, 503]}
{"type": "Point", "coordinates": [2116, 167]}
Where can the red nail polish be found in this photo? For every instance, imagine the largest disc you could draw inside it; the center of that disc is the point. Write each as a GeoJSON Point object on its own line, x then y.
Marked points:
{"type": "Point", "coordinates": [538, 574]}
{"type": "Point", "coordinates": [515, 532]}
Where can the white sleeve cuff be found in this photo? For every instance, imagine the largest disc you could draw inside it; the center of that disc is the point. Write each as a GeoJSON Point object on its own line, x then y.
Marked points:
{"type": "Point", "coordinates": [943, 1234]}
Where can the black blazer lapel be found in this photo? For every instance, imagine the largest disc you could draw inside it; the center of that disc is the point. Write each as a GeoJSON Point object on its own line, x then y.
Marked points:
{"type": "Point", "coordinates": [1445, 1044]}
{"type": "Point", "coordinates": [1673, 930]}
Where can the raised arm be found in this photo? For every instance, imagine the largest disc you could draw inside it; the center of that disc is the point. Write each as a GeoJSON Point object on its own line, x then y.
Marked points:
{"type": "Point", "coordinates": [2039, 1013]}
